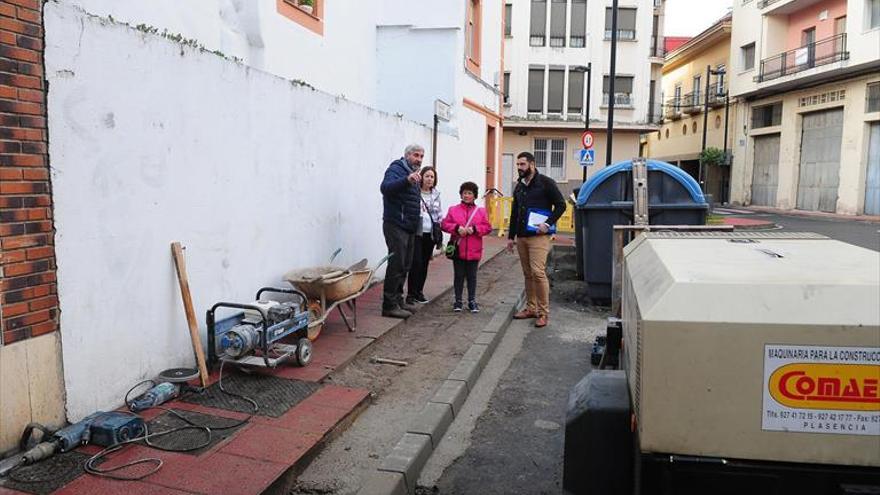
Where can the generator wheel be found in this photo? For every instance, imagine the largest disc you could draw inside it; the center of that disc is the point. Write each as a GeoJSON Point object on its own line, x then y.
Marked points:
{"type": "Point", "coordinates": [303, 352]}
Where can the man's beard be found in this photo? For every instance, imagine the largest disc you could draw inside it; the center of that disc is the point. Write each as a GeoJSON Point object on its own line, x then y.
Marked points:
{"type": "Point", "coordinates": [523, 173]}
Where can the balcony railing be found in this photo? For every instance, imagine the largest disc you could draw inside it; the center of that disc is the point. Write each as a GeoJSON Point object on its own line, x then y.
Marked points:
{"type": "Point", "coordinates": [672, 109]}
{"type": "Point", "coordinates": [692, 102]}
{"type": "Point", "coordinates": [765, 3]}
{"type": "Point", "coordinates": [620, 99]}
{"type": "Point", "coordinates": [822, 52]}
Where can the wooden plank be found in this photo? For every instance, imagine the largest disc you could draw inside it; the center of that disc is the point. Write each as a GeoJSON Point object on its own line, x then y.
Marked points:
{"type": "Point", "coordinates": [180, 266]}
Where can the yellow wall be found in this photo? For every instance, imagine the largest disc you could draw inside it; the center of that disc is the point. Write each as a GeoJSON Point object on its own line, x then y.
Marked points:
{"type": "Point", "coordinates": [671, 142]}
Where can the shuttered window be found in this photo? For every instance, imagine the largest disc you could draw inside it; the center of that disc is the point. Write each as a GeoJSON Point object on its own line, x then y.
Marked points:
{"type": "Point", "coordinates": [578, 24]}
{"type": "Point", "coordinates": [575, 91]}
{"type": "Point", "coordinates": [536, 91]}
{"type": "Point", "coordinates": [623, 86]}
{"type": "Point", "coordinates": [538, 23]}
{"type": "Point", "coordinates": [555, 84]}
{"type": "Point", "coordinates": [626, 24]}
{"type": "Point", "coordinates": [557, 23]}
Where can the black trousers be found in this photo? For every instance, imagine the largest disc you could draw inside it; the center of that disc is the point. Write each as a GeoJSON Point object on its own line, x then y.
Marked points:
{"type": "Point", "coordinates": [401, 243]}
{"type": "Point", "coordinates": [465, 269]}
{"type": "Point", "coordinates": [418, 272]}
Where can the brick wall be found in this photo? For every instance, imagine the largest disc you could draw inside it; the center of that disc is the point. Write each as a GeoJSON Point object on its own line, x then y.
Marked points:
{"type": "Point", "coordinates": [28, 297]}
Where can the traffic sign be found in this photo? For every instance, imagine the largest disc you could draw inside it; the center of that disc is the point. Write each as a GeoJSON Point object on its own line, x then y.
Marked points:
{"type": "Point", "coordinates": [587, 140]}
{"type": "Point", "coordinates": [588, 157]}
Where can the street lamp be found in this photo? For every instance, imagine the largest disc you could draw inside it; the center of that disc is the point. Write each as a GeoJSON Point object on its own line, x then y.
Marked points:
{"type": "Point", "coordinates": [588, 74]}
{"type": "Point", "coordinates": [709, 73]}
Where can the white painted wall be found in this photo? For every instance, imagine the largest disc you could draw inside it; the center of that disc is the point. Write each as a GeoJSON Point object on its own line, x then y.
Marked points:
{"type": "Point", "coordinates": [153, 142]}
{"type": "Point", "coordinates": [420, 58]}
{"type": "Point", "coordinates": [632, 58]}
{"type": "Point", "coordinates": [255, 32]}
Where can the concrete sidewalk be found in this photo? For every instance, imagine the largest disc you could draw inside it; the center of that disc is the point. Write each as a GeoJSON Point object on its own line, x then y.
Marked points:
{"type": "Point", "coordinates": [267, 452]}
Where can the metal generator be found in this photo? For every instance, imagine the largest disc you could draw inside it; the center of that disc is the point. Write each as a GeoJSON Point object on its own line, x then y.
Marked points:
{"type": "Point", "coordinates": [252, 336]}
{"type": "Point", "coordinates": [750, 364]}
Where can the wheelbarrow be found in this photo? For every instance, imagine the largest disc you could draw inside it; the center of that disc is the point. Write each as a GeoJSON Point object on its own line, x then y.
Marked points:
{"type": "Point", "coordinates": [330, 287]}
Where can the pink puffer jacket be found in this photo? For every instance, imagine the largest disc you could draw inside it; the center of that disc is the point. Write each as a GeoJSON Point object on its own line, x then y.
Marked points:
{"type": "Point", "coordinates": [470, 247]}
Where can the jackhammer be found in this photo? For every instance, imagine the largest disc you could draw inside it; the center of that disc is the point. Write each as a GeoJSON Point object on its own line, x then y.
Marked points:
{"type": "Point", "coordinates": [99, 428]}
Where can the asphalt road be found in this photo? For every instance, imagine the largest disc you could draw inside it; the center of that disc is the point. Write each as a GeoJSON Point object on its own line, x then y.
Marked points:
{"type": "Point", "coordinates": [860, 233]}
{"type": "Point", "coordinates": [516, 438]}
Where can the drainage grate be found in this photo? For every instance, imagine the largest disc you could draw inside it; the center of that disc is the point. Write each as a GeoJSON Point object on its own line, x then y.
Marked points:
{"type": "Point", "coordinates": [221, 428]}
{"type": "Point", "coordinates": [274, 395]}
{"type": "Point", "coordinates": [46, 476]}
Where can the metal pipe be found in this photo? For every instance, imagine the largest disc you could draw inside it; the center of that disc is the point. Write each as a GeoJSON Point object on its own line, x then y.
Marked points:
{"type": "Point", "coordinates": [609, 138]}
{"type": "Point", "coordinates": [587, 112]}
{"type": "Point", "coordinates": [705, 122]}
{"type": "Point", "coordinates": [434, 141]}
{"type": "Point", "coordinates": [725, 195]}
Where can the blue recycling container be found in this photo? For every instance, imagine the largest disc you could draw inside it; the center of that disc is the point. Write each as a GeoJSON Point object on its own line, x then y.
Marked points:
{"type": "Point", "coordinates": [606, 200]}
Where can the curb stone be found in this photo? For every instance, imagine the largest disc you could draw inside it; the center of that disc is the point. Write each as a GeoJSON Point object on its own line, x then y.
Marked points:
{"type": "Point", "coordinates": [426, 430]}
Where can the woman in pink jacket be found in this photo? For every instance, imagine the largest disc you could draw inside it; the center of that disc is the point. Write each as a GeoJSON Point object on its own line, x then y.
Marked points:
{"type": "Point", "coordinates": [467, 223]}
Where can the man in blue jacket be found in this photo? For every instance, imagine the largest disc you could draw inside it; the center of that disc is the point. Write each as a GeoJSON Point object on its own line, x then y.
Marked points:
{"type": "Point", "coordinates": [401, 217]}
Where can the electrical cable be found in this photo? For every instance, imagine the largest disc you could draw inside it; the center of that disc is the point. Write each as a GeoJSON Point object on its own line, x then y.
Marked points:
{"type": "Point", "coordinates": [91, 467]}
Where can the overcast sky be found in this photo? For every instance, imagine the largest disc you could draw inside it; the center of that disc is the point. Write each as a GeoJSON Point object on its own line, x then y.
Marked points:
{"type": "Point", "coordinates": [690, 17]}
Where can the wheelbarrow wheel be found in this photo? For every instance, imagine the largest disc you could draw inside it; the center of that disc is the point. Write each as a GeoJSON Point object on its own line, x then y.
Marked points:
{"type": "Point", "coordinates": [303, 352]}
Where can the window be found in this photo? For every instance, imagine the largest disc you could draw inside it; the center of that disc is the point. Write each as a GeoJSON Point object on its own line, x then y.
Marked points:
{"type": "Point", "coordinates": [536, 90]}
{"type": "Point", "coordinates": [767, 115]}
{"type": "Point", "coordinates": [575, 91]}
{"type": "Point", "coordinates": [555, 84]}
{"type": "Point", "coordinates": [720, 72]}
{"type": "Point", "coordinates": [873, 11]}
{"type": "Point", "coordinates": [676, 101]}
{"type": "Point", "coordinates": [550, 157]}
{"type": "Point", "coordinates": [506, 88]}
{"type": "Point", "coordinates": [578, 24]}
{"type": "Point", "coordinates": [623, 86]}
{"type": "Point", "coordinates": [626, 24]}
{"type": "Point", "coordinates": [557, 23]}
{"type": "Point", "coordinates": [697, 93]}
{"type": "Point", "coordinates": [538, 23]}
{"type": "Point", "coordinates": [508, 19]}
{"type": "Point", "coordinates": [873, 97]}
{"type": "Point", "coordinates": [840, 25]}
{"type": "Point", "coordinates": [656, 48]}
{"type": "Point", "coordinates": [310, 17]}
{"type": "Point", "coordinates": [472, 35]}
{"type": "Point", "coordinates": [748, 56]}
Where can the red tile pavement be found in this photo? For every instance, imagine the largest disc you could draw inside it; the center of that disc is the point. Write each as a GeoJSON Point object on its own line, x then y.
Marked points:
{"type": "Point", "coordinates": [89, 485]}
{"type": "Point", "coordinates": [263, 450]}
{"type": "Point", "coordinates": [268, 443]}
{"type": "Point", "coordinates": [747, 223]}
{"type": "Point", "coordinates": [220, 473]}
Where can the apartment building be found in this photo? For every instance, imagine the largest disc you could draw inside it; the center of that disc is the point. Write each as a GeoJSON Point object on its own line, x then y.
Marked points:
{"type": "Point", "coordinates": [807, 129]}
{"type": "Point", "coordinates": [694, 115]}
{"type": "Point", "coordinates": [548, 91]}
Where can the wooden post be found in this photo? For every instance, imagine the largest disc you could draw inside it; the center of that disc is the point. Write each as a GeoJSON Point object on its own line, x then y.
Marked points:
{"type": "Point", "coordinates": [180, 266]}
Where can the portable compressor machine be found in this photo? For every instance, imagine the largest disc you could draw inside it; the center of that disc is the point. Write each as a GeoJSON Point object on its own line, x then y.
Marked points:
{"type": "Point", "coordinates": [251, 337]}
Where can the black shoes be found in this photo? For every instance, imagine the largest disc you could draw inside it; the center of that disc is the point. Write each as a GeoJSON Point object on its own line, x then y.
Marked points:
{"type": "Point", "coordinates": [417, 299]}
{"type": "Point", "coordinates": [397, 312]}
